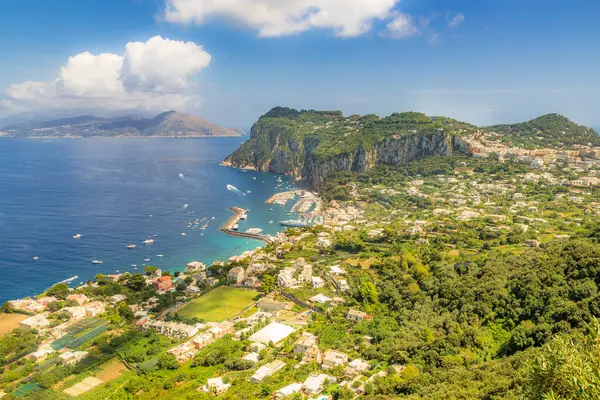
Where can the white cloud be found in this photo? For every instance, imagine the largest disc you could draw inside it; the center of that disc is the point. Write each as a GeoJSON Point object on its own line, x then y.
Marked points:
{"type": "Point", "coordinates": [152, 75]}
{"type": "Point", "coordinates": [347, 18]}
{"type": "Point", "coordinates": [400, 27]}
{"type": "Point", "coordinates": [456, 20]}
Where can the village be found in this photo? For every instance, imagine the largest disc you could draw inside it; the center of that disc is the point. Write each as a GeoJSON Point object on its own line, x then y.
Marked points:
{"type": "Point", "coordinates": [259, 320]}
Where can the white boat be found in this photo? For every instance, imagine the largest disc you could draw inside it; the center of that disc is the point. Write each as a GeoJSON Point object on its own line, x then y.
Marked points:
{"type": "Point", "coordinates": [159, 255]}
{"type": "Point", "coordinates": [36, 258]}
{"type": "Point", "coordinates": [271, 221]}
{"type": "Point", "coordinates": [185, 206]}
{"type": "Point", "coordinates": [270, 209]}
{"type": "Point", "coordinates": [134, 265]}
{"type": "Point", "coordinates": [146, 259]}
{"type": "Point", "coordinates": [182, 233]}
{"type": "Point", "coordinates": [95, 261]}
{"type": "Point", "coordinates": [148, 241]}
{"type": "Point", "coordinates": [78, 236]}
{"type": "Point", "coordinates": [131, 246]}
{"type": "Point", "coordinates": [181, 175]}
{"type": "Point", "coordinates": [243, 216]}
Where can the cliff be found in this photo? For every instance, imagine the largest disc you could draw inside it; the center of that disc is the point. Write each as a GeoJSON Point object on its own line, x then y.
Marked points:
{"type": "Point", "coordinates": [310, 144]}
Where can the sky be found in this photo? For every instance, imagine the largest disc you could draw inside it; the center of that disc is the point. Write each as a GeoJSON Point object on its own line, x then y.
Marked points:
{"type": "Point", "coordinates": [231, 61]}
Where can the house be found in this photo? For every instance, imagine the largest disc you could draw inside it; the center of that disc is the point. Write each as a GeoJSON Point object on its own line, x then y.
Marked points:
{"type": "Point", "coordinates": [356, 367]}
{"type": "Point", "coordinates": [258, 317]}
{"type": "Point", "coordinates": [35, 322]}
{"type": "Point", "coordinates": [222, 329]}
{"type": "Point", "coordinates": [163, 284]}
{"type": "Point", "coordinates": [203, 340]}
{"type": "Point", "coordinates": [272, 333]}
{"type": "Point", "coordinates": [40, 354]}
{"type": "Point", "coordinates": [199, 276]}
{"type": "Point", "coordinates": [78, 298]}
{"type": "Point", "coordinates": [343, 285]}
{"type": "Point", "coordinates": [320, 298]}
{"type": "Point", "coordinates": [333, 358]}
{"type": "Point", "coordinates": [171, 329]}
{"type": "Point", "coordinates": [211, 281]}
{"type": "Point", "coordinates": [195, 266]}
{"type": "Point", "coordinates": [306, 341]}
{"type": "Point", "coordinates": [317, 282]}
{"type": "Point", "coordinates": [323, 242]}
{"type": "Point", "coordinates": [288, 390]}
{"type": "Point", "coordinates": [306, 274]}
{"type": "Point", "coordinates": [27, 305]}
{"type": "Point", "coordinates": [117, 298]}
{"type": "Point", "coordinates": [267, 370]}
{"type": "Point", "coordinates": [236, 275]}
{"type": "Point", "coordinates": [254, 357]}
{"type": "Point", "coordinates": [257, 347]}
{"type": "Point", "coordinates": [336, 270]}
{"type": "Point", "coordinates": [315, 384]}
{"type": "Point", "coordinates": [94, 308]}
{"type": "Point", "coordinates": [216, 386]}
{"type": "Point", "coordinates": [356, 315]}
{"type": "Point", "coordinates": [184, 352]}
{"type": "Point", "coordinates": [72, 357]}
{"type": "Point", "coordinates": [269, 304]}
{"type": "Point", "coordinates": [251, 282]}
{"type": "Point", "coordinates": [76, 312]}
{"type": "Point", "coordinates": [286, 277]}
{"type": "Point", "coordinates": [46, 300]}
{"type": "Point", "coordinates": [532, 243]}
{"type": "Point", "coordinates": [312, 355]}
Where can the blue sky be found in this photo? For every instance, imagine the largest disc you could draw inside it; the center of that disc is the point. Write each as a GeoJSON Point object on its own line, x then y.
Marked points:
{"type": "Point", "coordinates": [481, 61]}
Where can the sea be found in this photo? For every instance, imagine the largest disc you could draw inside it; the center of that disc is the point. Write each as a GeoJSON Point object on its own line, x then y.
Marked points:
{"type": "Point", "coordinates": [117, 192]}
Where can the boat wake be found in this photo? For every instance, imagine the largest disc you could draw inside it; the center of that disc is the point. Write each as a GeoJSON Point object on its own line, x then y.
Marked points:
{"type": "Point", "coordinates": [235, 190]}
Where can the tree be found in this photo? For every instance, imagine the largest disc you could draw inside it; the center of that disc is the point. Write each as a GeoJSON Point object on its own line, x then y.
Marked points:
{"type": "Point", "coordinates": [125, 312]}
{"type": "Point", "coordinates": [136, 282]}
{"type": "Point", "coordinates": [60, 291]}
{"type": "Point", "coordinates": [368, 292]}
{"type": "Point", "coordinates": [268, 284]}
{"type": "Point", "coordinates": [150, 269]}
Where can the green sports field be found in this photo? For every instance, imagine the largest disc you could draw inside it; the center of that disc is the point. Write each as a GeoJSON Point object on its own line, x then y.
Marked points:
{"type": "Point", "coordinates": [222, 303]}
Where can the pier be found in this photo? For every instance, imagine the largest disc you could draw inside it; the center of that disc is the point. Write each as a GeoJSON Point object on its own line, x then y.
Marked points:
{"type": "Point", "coordinates": [235, 219]}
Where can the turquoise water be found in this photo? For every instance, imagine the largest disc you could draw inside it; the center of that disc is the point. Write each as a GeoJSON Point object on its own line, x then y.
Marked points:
{"type": "Point", "coordinates": [116, 192]}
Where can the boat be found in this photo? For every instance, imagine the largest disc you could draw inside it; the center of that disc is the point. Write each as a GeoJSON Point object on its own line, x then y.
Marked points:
{"type": "Point", "coordinates": [185, 206]}
{"type": "Point", "coordinates": [131, 246]}
{"type": "Point", "coordinates": [271, 221]}
{"type": "Point", "coordinates": [293, 223]}
{"type": "Point", "coordinates": [146, 259]}
{"type": "Point", "coordinates": [212, 217]}
{"type": "Point", "coordinates": [254, 231]}
{"type": "Point", "coordinates": [236, 227]}
{"type": "Point", "coordinates": [134, 265]}
{"type": "Point", "coordinates": [36, 258]}
{"type": "Point", "coordinates": [95, 261]}
{"type": "Point", "coordinates": [148, 241]}
{"type": "Point", "coordinates": [243, 216]}
{"type": "Point", "coordinates": [78, 236]}
{"type": "Point", "coordinates": [181, 175]}
{"type": "Point", "coordinates": [182, 233]}
{"type": "Point", "coordinates": [249, 191]}
{"type": "Point", "coordinates": [159, 255]}
{"type": "Point", "coordinates": [270, 209]}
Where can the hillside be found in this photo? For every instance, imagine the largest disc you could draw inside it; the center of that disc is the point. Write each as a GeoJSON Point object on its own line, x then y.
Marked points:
{"type": "Point", "coordinates": [312, 143]}
{"type": "Point", "coordinates": [168, 124]}
{"type": "Point", "coordinates": [550, 130]}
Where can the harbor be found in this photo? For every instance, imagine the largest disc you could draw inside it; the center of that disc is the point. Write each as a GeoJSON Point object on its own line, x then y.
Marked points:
{"type": "Point", "coordinates": [231, 226]}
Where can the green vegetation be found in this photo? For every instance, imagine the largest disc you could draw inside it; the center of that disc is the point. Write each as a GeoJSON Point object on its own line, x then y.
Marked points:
{"type": "Point", "coordinates": [551, 130]}
{"type": "Point", "coordinates": [219, 304]}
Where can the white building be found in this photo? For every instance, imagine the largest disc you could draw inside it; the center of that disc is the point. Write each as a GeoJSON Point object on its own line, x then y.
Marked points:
{"type": "Point", "coordinates": [333, 358]}
{"type": "Point", "coordinates": [267, 370]}
{"type": "Point", "coordinates": [76, 312]}
{"type": "Point", "coordinates": [288, 390]}
{"type": "Point", "coordinates": [72, 357]}
{"type": "Point", "coordinates": [216, 386]}
{"type": "Point", "coordinates": [272, 333]}
{"type": "Point", "coordinates": [286, 277]}
{"type": "Point", "coordinates": [317, 282]}
{"type": "Point", "coordinates": [315, 384]}
{"type": "Point", "coordinates": [35, 322]}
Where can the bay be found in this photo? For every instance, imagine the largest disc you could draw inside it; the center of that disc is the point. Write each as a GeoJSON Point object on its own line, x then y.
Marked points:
{"type": "Point", "coordinates": [116, 192]}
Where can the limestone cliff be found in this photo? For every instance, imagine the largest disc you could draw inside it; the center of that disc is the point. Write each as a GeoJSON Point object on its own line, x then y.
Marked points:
{"type": "Point", "coordinates": [310, 144]}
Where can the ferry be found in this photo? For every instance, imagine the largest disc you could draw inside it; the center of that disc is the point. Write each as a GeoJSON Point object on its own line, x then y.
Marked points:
{"type": "Point", "coordinates": [294, 223]}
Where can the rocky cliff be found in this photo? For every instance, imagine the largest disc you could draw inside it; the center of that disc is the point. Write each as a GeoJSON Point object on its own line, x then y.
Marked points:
{"type": "Point", "coordinates": [311, 144]}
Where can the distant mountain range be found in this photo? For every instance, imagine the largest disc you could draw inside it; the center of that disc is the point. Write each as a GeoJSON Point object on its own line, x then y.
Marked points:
{"type": "Point", "coordinates": [168, 124]}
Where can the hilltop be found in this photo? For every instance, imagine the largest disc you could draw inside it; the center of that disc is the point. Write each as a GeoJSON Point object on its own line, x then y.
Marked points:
{"type": "Point", "coordinates": [550, 131]}
{"type": "Point", "coordinates": [168, 124]}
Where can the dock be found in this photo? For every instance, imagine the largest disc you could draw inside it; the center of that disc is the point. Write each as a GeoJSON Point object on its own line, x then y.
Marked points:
{"type": "Point", "coordinates": [228, 226]}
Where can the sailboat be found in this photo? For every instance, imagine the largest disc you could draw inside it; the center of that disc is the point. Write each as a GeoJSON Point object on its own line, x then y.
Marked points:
{"type": "Point", "coordinates": [95, 261]}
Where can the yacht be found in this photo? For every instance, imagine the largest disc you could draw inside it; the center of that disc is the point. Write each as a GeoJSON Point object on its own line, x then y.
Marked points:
{"type": "Point", "coordinates": [36, 258]}
{"type": "Point", "coordinates": [146, 259]}
{"type": "Point", "coordinates": [148, 241]}
{"type": "Point", "coordinates": [94, 261]}
{"type": "Point", "coordinates": [182, 233]}
{"type": "Point", "coordinates": [159, 255]}
{"type": "Point", "coordinates": [131, 246]}
{"type": "Point", "coordinates": [78, 236]}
